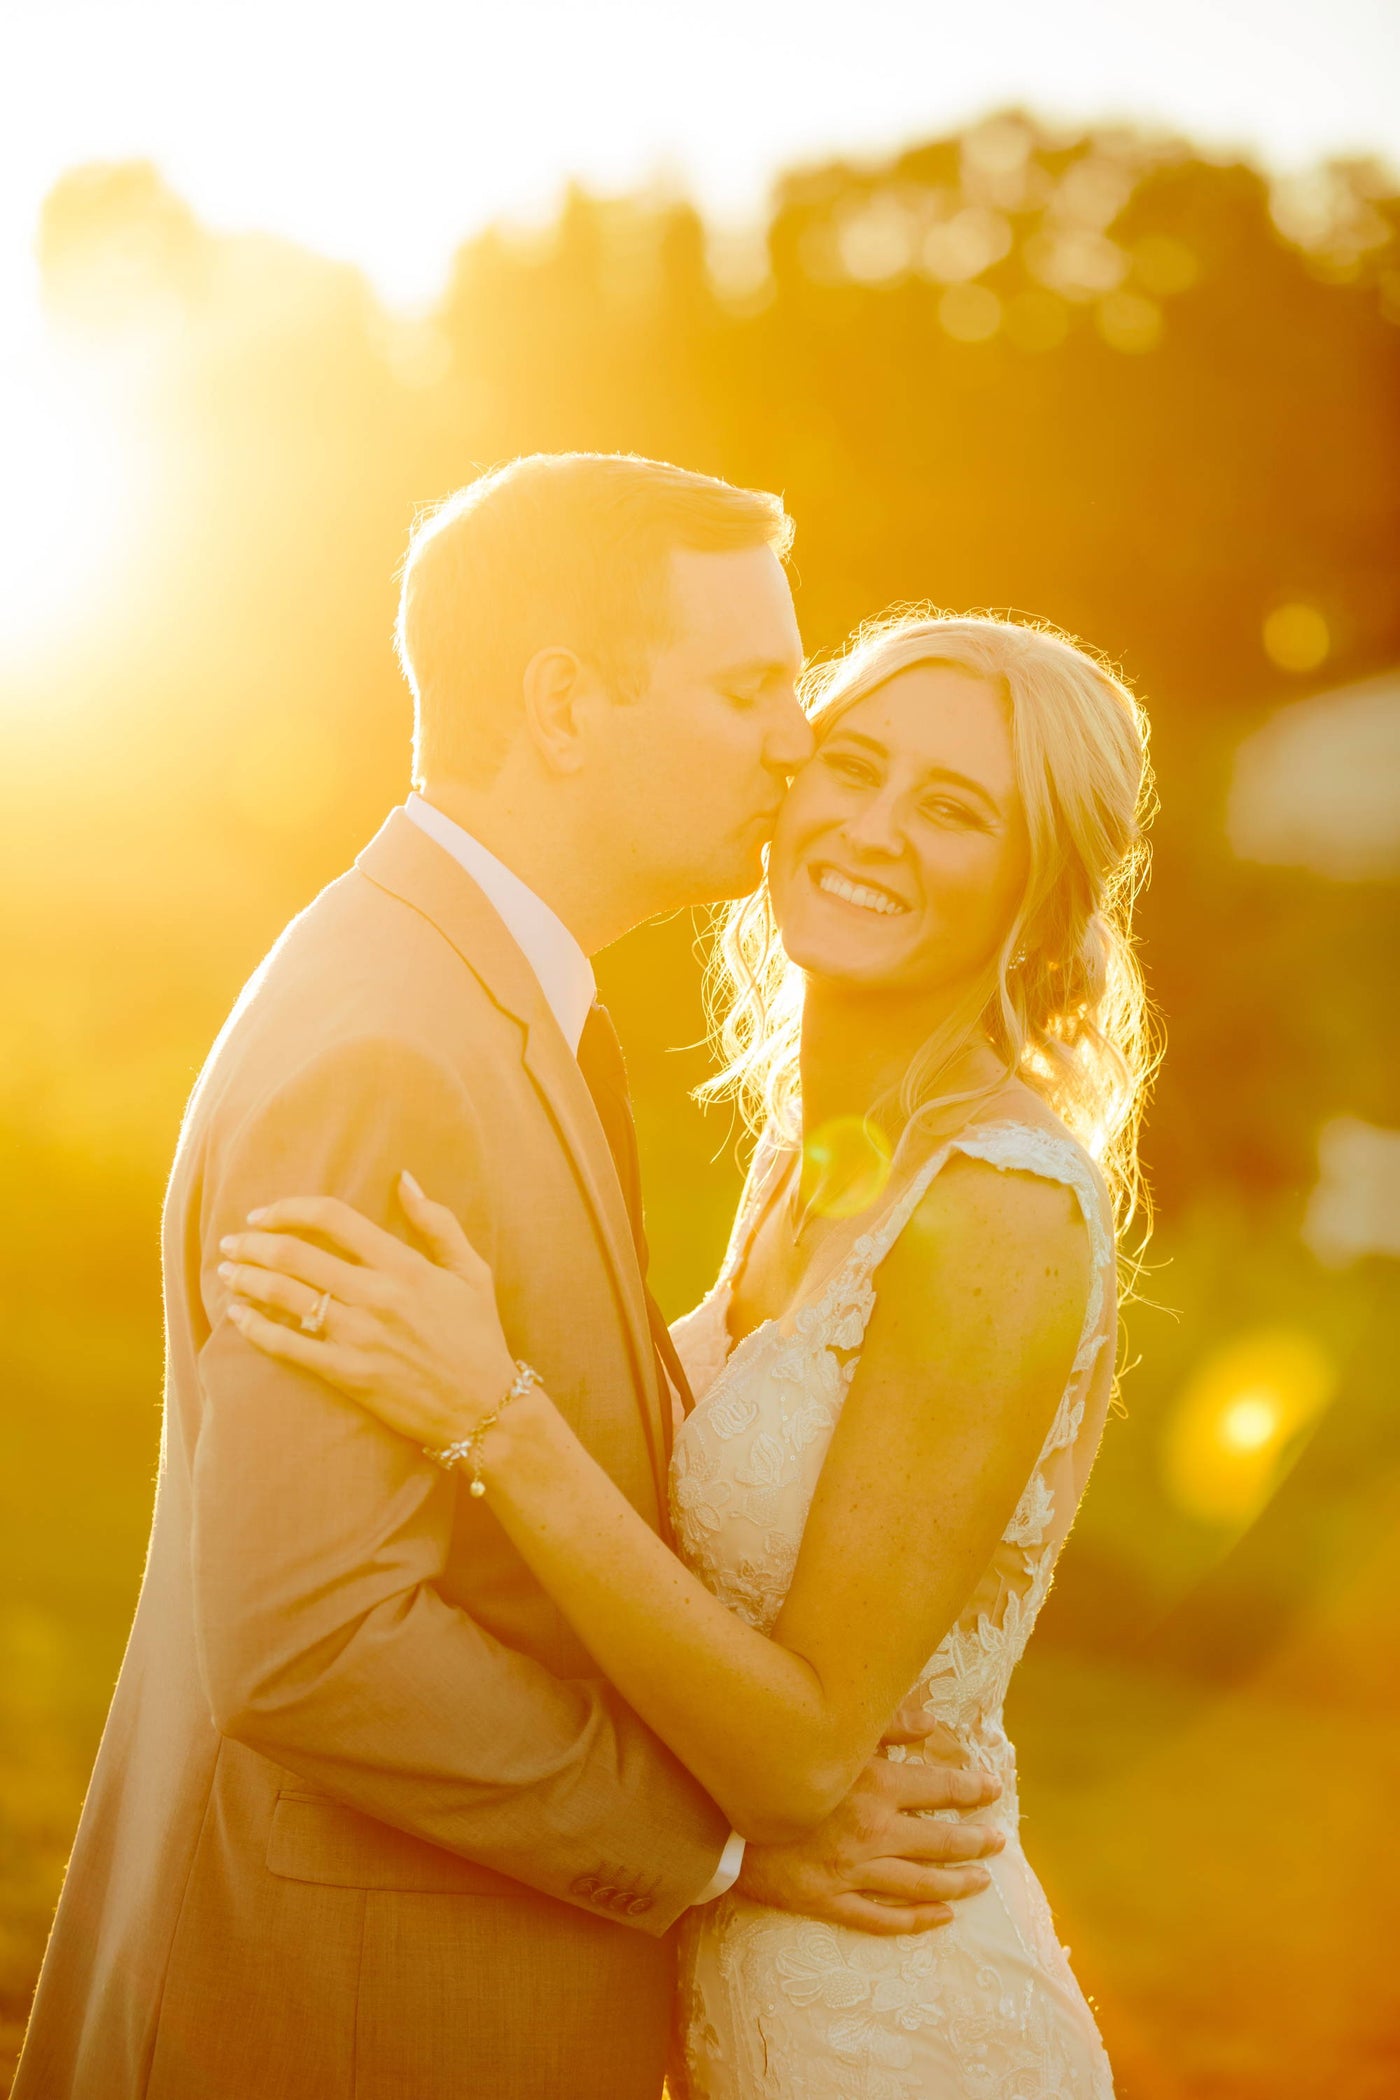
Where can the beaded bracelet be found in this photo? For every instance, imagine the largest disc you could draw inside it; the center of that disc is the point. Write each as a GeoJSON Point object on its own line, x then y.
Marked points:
{"type": "Point", "coordinates": [467, 1450]}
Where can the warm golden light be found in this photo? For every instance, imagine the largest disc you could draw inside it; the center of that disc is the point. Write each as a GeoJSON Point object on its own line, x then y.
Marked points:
{"type": "Point", "coordinates": [846, 1163]}
{"type": "Point", "coordinates": [1296, 637]}
{"type": "Point", "coordinates": [1240, 1420]}
{"type": "Point", "coordinates": [1128, 322]}
{"type": "Point", "coordinates": [1250, 1422]}
{"type": "Point", "coordinates": [61, 503]}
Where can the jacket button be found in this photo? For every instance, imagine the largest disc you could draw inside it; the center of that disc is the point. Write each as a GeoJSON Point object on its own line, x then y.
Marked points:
{"type": "Point", "coordinates": [586, 1885]}
{"type": "Point", "coordinates": [605, 1895]}
{"type": "Point", "coordinates": [636, 1905]}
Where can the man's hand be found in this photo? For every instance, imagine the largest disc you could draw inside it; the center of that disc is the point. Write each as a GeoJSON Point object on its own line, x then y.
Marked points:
{"type": "Point", "coordinates": [875, 1863]}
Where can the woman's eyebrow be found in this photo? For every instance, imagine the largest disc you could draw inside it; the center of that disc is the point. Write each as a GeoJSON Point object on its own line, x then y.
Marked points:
{"type": "Point", "coordinates": [967, 784]}
{"type": "Point", "coordinates": [944, 773]}
{"type": "Point", "coordinates": [854, 736]}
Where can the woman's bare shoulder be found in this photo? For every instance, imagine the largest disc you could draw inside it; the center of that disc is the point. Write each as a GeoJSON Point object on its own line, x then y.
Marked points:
{"type": "Point", "coordinates": [988, 1235]}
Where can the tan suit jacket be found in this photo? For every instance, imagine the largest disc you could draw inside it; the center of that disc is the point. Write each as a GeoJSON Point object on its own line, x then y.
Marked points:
{"type": "Point", "coordinates": [366, 1823]}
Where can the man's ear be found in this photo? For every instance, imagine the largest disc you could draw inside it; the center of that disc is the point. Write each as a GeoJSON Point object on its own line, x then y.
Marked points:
{"type": "Point", "coordinates": [556, 690]}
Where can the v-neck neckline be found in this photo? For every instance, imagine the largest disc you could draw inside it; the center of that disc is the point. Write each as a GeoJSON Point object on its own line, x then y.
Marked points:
{"type": "Point", "coordinates": [826, 1275]}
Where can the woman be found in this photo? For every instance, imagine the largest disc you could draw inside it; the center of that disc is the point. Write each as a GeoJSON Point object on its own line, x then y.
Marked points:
{"type": "Point", "coordinates": [904, 1368]}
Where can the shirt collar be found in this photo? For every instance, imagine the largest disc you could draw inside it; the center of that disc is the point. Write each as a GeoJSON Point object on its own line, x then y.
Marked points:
{"type": "Point", "coordinates": [564, 971]}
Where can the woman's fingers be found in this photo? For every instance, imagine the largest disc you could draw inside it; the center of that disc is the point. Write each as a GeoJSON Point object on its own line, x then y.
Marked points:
{"type": "Point", "coordinates": [439, 1229]}
{"type": "Point", "coordinates": [347, 1229]}
{"type": "Point", "coordinates": [284, 1254]}
{"type": "Point", "coordinates": [290, 1345]}
{"type": "Point", "coordinates": [267, 1288]}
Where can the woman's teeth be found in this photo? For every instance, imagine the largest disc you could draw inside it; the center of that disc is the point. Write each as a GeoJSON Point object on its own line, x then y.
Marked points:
{"type": "Point", "coordinates": [859, 894]}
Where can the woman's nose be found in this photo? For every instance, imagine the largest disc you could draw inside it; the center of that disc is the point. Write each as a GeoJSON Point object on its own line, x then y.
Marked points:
{"type": "Point", "coordinates": [873, 827]}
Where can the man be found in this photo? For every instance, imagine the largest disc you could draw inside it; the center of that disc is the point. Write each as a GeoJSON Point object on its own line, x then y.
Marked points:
{"type": "Point", "coordinates": [365, 1821]}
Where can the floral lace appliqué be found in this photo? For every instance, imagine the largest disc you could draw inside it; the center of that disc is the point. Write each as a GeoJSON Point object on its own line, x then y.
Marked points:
{"type": "Point", "coordinates": [783, 2008]}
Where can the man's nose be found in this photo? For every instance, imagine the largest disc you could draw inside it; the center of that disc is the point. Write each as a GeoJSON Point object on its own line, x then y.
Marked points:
{"type": "Point", "coordinates": [790, 741]}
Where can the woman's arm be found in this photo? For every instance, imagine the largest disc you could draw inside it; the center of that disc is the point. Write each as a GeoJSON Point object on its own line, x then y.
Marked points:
{"type": "Point", "coordinates": [967, 1353]}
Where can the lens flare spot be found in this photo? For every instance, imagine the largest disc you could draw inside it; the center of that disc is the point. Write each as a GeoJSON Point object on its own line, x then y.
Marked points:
{"type": "Point", "coordinates": [1241, 1421]}
{"type": "Point", "coordinates": [1297, 637]}
{"type": "Point", "coordinates": [1250, 1422]}
{"type": "Point", "coordinates": [845, 1167]}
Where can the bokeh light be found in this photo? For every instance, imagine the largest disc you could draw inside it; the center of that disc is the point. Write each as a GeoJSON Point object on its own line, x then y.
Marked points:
{"type": "Point", "coordinates": [846, 1166]}
{"type": "Point", "coordinates": [970, 313]}
{"type": "Point", "coordinates": [1317, 785]}
{"type": "Point", "coordinates": [1296, 637]}
{"type": "Point", "coordinates": [1237, 1425]}
{"type": "Point", "coordinates": [1129, 322]}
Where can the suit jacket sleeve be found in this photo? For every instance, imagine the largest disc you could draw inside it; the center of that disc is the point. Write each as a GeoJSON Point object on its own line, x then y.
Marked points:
{"type": "Point", "coordinates": [319, 1537]}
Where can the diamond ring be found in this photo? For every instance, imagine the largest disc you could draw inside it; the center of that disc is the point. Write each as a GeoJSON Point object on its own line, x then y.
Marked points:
{"type": "Point", "coordinates": [314, 1321]}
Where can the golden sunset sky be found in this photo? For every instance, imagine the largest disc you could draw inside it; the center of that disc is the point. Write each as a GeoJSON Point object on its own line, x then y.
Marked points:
{"type": "Point", "coordinates": [383, 134]}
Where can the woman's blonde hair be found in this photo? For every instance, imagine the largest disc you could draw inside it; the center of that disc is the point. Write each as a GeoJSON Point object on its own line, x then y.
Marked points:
{"type": "Point", "coordinates": [1063, 1002]}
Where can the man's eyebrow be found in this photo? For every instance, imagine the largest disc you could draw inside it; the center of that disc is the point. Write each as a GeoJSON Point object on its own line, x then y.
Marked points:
{"type": "Point", "coordinates": [948, 773]}
{"type": "Point", "coordinates": [761, 668]}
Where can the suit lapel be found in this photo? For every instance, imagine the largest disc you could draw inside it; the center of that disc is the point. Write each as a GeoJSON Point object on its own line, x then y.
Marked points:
{"type": "Point", "coordinates": [404, 861]}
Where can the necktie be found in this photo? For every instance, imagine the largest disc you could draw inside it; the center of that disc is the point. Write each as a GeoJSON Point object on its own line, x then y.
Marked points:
{"type": "Point", "coordinates": [605, 1074]}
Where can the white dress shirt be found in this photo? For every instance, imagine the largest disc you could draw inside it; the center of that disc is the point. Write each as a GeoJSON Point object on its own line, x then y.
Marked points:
{"type": "Point", "coordinates": [566, 978]}
{"type": "Point", "coordinates": [564, 971]}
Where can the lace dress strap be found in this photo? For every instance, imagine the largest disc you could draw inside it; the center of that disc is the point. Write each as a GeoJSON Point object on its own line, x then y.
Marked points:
{"type": "Point", "coordinates": [1028, 1148]}
{"type": "Point", "coordinates": [1024, 1148]}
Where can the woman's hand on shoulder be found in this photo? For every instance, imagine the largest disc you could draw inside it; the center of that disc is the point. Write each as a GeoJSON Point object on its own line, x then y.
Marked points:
{"type": "Point", "coordinates": [414, 1337]}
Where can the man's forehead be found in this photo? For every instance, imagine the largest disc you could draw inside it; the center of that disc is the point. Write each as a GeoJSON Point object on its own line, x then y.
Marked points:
{"type": "Point", "coordinates": [737, 603]}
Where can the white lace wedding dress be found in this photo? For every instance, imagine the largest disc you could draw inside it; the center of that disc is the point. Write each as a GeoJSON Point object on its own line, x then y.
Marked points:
{"type": "Point", "coordinates": [776, 2007]}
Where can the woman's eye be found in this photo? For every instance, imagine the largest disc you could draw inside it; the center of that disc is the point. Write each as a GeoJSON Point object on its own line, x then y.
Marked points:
{"type": "Point", "coordinates": [946, 811]}
{"type": "Point", "coordinates": [848, 765]}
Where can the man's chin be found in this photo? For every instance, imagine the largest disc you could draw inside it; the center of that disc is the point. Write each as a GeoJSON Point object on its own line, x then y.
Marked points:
{"type": "Point", "coordinates": [737, 882]}
{"type": "Point", "coordinates": [735, 873]}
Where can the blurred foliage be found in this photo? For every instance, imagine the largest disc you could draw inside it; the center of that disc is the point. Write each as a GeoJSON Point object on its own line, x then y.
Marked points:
{"type": "Point", "coordinates": [1098, 378]}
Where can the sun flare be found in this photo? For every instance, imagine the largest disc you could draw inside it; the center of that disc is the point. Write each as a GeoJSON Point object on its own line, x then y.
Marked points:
{"type": "Point", "coordinates": [63, 489]}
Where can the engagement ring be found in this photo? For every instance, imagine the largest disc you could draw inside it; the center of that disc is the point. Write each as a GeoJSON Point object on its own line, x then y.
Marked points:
{"type": "Point", "coordinates": [314, 1322]}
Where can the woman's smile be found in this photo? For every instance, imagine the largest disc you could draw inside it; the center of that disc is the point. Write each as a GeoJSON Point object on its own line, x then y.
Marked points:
{"type": "Point", "coordinates": [899, 858]}
{"type": "Point", "coordinates": [857, 890]}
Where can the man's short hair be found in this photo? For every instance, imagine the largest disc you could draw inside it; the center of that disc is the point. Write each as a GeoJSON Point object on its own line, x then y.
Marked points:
{"type": "Point", "coordinates": [560, 549]}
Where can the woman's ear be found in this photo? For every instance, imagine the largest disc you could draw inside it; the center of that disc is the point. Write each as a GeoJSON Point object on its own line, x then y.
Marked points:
{"type": "Point", "coordinates": [556, 689]}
